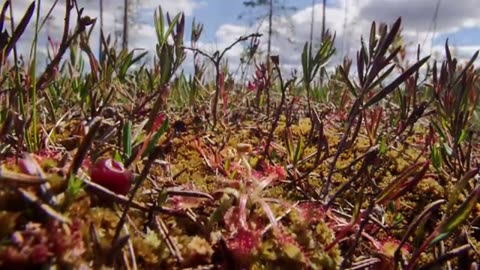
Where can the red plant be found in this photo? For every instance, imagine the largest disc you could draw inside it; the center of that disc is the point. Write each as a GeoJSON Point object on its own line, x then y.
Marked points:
{"type": "Point", "coordinates": [372, 121]}
{"type": "Point", "coordinates": [212, 158]}
{"type": "Point", "coordinates": [249, 186]}
{"type": "Point", "coordinates": [242, 244]}
{"type": "Point", "coordinates": [261, 81]}
{"type": "Point", "coordinates": [223, 92]}
{"type": "Point", "coordinates": [311, 211]}
{"type": "Point", "coordinates": [111, 174]}
{"type": "Point", "coordinates": [251, 86]}
{"type": "Point", "coordinates": [37, 245]}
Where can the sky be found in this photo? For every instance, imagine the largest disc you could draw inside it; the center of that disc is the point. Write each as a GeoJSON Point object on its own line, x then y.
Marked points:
{"type": "Point", "coordinates": [425, 22]}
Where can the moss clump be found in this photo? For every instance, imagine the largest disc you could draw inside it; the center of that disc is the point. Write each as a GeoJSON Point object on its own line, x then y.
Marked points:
{"type": "Point", "coordinates": [197, 251]}
{"type": "Point", "coordinates": [294, 244]}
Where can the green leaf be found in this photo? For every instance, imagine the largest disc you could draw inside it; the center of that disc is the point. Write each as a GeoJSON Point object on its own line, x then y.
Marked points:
{"type": "Point", "coordinates": [74, 186]}
{"type": "Point", "coordinates": [125, 64]}
{"type": "Point", "coordinates": [458, 217]}
{"type": "Point", "coordinates": [383, 145]}
{"type": "Point", "coordinates": [397, 220]}
{"type": "Point", "coordinates": [159, 26]}
{"type": "Point", "coordinates": [436, 157]}
{"type": "Point", "coordinates": [298, 151]}
{"type": "Point", "coordinates": [166, 59]}
{"type": "Point", "coordinates": [459, 187]}
{"type": "Point", "coordinates": [305, 64]}
{"type": "Point", "coordinates": [438, 130]}
{"type": "Point", "coordinates": [127, 139]}
{"type": "Point", "coordinates": [117, 156]}
{"type": "Point", "coordinates": [171, 26]}
{"type": "Point", "coordinates": [462, 136]}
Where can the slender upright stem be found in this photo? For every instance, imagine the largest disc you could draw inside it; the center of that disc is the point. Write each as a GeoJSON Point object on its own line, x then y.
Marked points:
{"type": "Point", "coordinates": [125, 25]}
{"type": "Point", "coordinates": [101, 31]}
{"type": "Point", "coordinates": [34, 80]}
{"type": "Point", "coordinates": [323, 19]}
{"type": "Point", "coordinates": [270, 16]}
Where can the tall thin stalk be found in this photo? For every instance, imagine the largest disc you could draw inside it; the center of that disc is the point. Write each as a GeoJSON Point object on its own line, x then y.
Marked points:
{"type": "Point", "coordinates": [324, 15]}
{"type": "Point", "coordinates": [270, 17]}
{"type": "Point", "coordinates": [312, 21]}
{"type": "Point", "coordinates": [101, 30]}
{"type": "Point", "coordinates": [19, 99]}
{"type": "Point", "coordinates": [125, 25]}
{"type": "Point", "coordinates": [34, 78]}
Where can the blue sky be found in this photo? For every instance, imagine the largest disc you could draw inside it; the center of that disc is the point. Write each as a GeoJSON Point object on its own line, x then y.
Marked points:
{"type": "Point", "coordinates": [350, 19]}
{"type": "Point", "coordinates": [464, 37]}
{"type": "Point", "coordinates": [456, 20]}
{"type": "Point", "coordinates": [215, 13]}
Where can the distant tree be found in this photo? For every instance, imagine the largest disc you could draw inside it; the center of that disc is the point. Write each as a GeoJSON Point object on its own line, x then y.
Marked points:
{"type": "Point", "coordinates": [324, 16]}
{"type": "Point", "coordinates": [125, 25]}
{"type": "Point", "coordinates": [128, 19]}
{"type": "Point", "coordinates": [312, 21]}
{"type": "Point", "coordinates": [273, 8]}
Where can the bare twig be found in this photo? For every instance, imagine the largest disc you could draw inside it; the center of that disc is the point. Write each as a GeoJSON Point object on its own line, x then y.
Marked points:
{"type": "Point", "coordinates": [283, 86]}
{"type": "Point", "coordinates": [143, 175]}
{"type": "Point", "coordinates": [216, 59]}
{"type": "Point", "coordinates": [171, 244]}
{"type": "Point", "coordinates": [67, 40]}
{"type": "Point", "coordinates": [32, 198]}
{"type": "Point", "coordinates": [85, 146]}
{"type": "Point", "coordinates": [19, 178]}
{"type": "Point", "coordinates": [131, 250]}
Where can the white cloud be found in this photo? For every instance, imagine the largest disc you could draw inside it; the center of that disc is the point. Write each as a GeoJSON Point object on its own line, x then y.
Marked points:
{"type": "Point", "coordinates": [352, 19]}
{"type": "Point", "coordinates": [419, 15]}
{"type": "Point", "coordinates": [141, 33]}
{"type": "Point", "coordinates": [185, 6]}
{"type": "Point", "coordinates": [462, 53]}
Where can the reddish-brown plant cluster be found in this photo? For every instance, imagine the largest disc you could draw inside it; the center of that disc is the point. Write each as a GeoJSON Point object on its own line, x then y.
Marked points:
{"type": "Point", "coordinates": [36, 244]}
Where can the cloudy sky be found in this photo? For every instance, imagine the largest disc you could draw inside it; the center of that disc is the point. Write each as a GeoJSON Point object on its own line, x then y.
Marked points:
{"type": "Point", "coordinates": [350, 19]}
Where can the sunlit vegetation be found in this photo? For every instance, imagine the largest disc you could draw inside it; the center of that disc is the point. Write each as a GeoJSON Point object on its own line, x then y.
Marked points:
{"type": "Point", "coordinates": [143, 166]}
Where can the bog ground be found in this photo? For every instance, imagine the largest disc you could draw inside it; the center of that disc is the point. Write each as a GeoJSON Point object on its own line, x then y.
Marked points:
{"type": "Point", "coordinates": [124, 165]}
